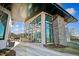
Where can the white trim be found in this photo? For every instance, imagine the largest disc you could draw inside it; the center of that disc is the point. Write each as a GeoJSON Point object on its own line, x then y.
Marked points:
{"type": "Point", "coordinates": [4, 42]}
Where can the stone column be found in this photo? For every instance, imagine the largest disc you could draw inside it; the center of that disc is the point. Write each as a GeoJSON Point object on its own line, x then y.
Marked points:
{"type": "Point", "coordinates": [59, 31]}
{"type": "Point", "coordinates": [55, 31]}
{"type": "Point", "coordinates": [43, 28]}
{"type": "Point", "coordinates": [19, 11]}
{"type": "Point", "coordinates": [62, 31]}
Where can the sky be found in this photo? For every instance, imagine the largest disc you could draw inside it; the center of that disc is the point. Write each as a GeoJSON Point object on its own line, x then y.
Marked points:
{"type": "Point", "coordinates": [18, 27]}
{"type": "Point", "coordinates": [72, 8]}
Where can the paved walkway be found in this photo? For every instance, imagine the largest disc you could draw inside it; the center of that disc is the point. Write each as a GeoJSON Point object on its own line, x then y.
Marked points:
{"type": "Point", "coordinates": [36, 49]}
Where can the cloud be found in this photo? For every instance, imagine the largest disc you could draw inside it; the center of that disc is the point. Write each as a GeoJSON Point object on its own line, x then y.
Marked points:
{"type": "Point", "coordinates": [71, 11]}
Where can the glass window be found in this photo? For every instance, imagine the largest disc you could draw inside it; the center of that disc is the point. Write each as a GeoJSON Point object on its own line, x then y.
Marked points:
{"type": "Point", "coordinates": [36, 32]}
{"type": "Point", "coordinates": [3, 23]}
{"type": "Point", "coordinates": [48, 29]}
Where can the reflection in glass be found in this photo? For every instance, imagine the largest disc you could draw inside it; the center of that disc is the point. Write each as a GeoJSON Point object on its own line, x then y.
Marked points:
{"type": "Point", "coordinates": [3, 23]}
{"type": "Point", "coordinates": [37, 29]}
{"type": "Point", "coordinates": [34, 30]}
{"type": "Point", "coordinates": [48, 29]}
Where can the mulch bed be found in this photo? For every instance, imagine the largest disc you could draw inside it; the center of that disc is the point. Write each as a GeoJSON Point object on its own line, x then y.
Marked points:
{"type": "Point", "coordinates": [7, 52]}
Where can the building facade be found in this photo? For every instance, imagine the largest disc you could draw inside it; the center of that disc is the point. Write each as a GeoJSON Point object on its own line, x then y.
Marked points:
{"type": "Point", "coordinates": [43, 28]}
{"type": "Point", "coordinates": [45, 22]}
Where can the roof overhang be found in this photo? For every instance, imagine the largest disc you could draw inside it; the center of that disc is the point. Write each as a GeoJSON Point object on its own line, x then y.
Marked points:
{"type": "Point", "coordinates": [53, 9]}
{"type": "Point", "coordinates": [68, 17]}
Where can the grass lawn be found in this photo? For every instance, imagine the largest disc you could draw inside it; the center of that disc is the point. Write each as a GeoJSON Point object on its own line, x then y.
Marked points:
{"type": "Point", "coordinates": [70, 50]}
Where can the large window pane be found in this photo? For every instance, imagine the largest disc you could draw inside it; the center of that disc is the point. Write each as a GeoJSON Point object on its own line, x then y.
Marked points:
{"type": "Point", "coordinates": [48, 29]}
{"type": "Point", "coordinates": [36, 29]}
{"type": "Point", "coordinates": [3, 23]}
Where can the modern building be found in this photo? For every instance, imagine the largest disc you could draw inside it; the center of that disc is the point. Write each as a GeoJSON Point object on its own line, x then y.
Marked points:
{"type": "Point", "coordinates": [45, 22]}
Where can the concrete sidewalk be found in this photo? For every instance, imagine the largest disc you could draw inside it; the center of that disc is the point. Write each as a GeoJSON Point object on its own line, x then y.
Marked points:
{"type": "Point", "coordinates": [36, 49]}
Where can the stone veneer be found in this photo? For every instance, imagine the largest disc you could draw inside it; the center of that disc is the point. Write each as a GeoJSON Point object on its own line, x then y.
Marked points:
{"type": "Point", "coordinates": [59, 31]}
{"type": "Point", "coordinates": [55, 32]}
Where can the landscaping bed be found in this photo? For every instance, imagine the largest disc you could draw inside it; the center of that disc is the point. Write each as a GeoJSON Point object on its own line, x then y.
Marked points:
{"type": "Point", "coordinates": [64, 49]}
{"type": "Point", "coordinates": [7, 52]}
